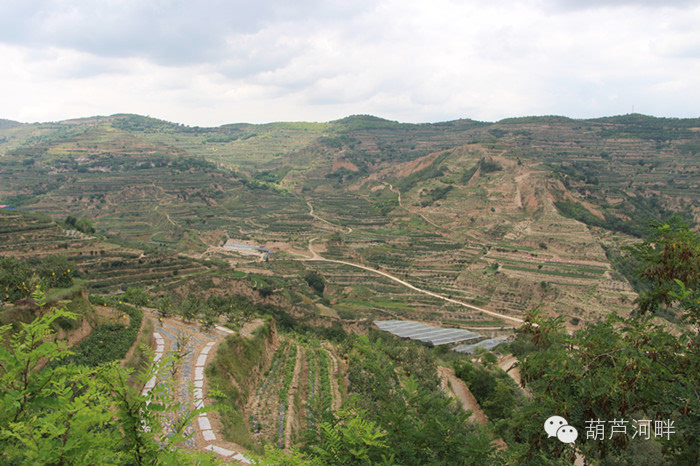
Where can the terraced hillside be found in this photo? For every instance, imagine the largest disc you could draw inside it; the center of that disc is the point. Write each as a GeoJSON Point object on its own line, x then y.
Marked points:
{"type": "Point", "coordinates": [506, 216]}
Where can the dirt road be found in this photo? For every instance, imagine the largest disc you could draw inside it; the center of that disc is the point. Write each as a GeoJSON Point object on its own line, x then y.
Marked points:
{"type": "Point", "coordinates": [317, 257]}
{"type": "Point", "coordinates": [456, 387]}
{"type": "Point", "coordinates": [507, 364]}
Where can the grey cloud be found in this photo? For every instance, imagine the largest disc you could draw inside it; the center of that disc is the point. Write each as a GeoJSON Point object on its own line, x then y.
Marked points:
{"type": "Point", "coordinates": [592, 4]}
{"type": "Point", "coordinates": [167, 32]}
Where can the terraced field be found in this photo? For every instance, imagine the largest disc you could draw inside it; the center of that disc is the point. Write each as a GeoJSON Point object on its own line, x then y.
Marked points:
{"type": "Point", "coordinates": [296, 390]}
{"type": "Point", "coordinates": [463, 209]}
{"type": "Point", "coordinates": [107, 267]}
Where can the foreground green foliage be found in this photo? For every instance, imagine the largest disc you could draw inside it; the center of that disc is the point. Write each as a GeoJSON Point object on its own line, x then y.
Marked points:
{"type": "Point", "coordinates": [396, 414]}
{"type": "Point", "coordinates": [627, 369]}
{"type": "Point", "coordinates": [72, 414]}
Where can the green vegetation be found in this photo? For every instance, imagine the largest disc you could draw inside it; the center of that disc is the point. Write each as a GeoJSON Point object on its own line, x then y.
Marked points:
{"type": "Point", "coordinates": [165, 196]}
{"type": "Point", "coordinates": [396, 414]}
{"type": "Point", "coordinates": [15, 277]}
{"type": "Point", "coordinates": [109, 341]}
{"type": "Point", "coordinates": [316, 282]}
{"type": "Point", "coordinates": [622, 368]}
{"type": "Point", "coordinates": [434, 170]}
{"type": "Point", "coordinates": [71, 414]}
{"type": "Point", "coordinates": [236, 359]}
{"type": "Point", "coordinates": [496, 393]}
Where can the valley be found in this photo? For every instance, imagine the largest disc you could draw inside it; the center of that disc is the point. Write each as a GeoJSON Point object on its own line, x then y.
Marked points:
{"type": "Point", "coordinates": [242, 267]}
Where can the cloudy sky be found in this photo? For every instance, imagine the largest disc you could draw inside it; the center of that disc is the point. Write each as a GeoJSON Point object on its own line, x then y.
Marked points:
{"type": "Point", "coordinates": [211, 62]}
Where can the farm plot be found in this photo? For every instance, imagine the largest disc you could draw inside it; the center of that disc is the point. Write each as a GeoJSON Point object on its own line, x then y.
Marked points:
{"type": "Point", "coordinates": [319, 390]}
{"type": "Point", "coordinates": [31, 235]}
{"type": "Point", "coordinates": [348, 210]}
{"type": "Point", "coordinates": [297, 389]}
{"type": "Point", "coordinates": [272, 404]}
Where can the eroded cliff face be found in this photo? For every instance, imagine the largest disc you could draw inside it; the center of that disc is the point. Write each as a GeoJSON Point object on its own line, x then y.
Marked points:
{"type": "Point", "coordinates": [240, 364]}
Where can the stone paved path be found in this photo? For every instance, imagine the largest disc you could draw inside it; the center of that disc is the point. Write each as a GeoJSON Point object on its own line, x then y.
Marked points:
{"type": "Point", "coordinates": [200, 349]}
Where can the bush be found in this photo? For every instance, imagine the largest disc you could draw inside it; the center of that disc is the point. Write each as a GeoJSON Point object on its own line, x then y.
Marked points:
{"type": "Point", "coordinates": [316, 282]}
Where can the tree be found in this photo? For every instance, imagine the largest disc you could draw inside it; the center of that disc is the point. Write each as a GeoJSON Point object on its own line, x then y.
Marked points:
{"type": "Point", "coordinates": [15, 277]}
{"type": "Point", "coordinates": [180, 352]}
{"type": "Point", "coordinates": [165, 306]}
{"type": "Point", "coordinates": [136, 295]}
{"type": "Point", "coordinates": [56, 272]}
{"type": "Point", "coordinates": [623, 368]}
{"type": "Point", "coordinates": [85, 225]}
{"type": "Point", "coordinates": [69, 414]}
{"type": "Point", "coordinates": [191, 307]}
{"type": "Point", "coordinates": [316, 282]}
{"type": "Point", "coordinates": [209, 319]}
{"type": "Point", "coordinates": [670, 260]}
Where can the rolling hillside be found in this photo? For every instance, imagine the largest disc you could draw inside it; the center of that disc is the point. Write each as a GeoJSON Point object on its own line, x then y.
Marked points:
{"type": "Point", "coordinates": [505, 216]}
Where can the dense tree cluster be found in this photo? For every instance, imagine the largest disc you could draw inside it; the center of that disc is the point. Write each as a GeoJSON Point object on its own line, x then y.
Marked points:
{"type": "Point", "coordinates": [623, 368]}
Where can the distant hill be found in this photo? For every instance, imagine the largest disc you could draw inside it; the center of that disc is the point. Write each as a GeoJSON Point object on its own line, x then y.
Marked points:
{"type": "Point", "coordinates": [5, 124]}
{"type": "Point", "coordinates": [508, 215]}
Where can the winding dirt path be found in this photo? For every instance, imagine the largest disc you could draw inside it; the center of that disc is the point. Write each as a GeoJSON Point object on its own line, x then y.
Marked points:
{"type": "Point", "coordinates": [317, 257]}
{"type": "Point", "coordinates": [336, 397]}
{"type": "Point", "coordinates": [321, 219]}
{"type": "Point", "coordinates": [456, 387]}
{"type": "Point", "coordinates": [391, 188]}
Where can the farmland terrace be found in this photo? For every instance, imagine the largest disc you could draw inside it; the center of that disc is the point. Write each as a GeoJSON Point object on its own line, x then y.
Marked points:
{"type": "Point", "coordinates": [509, 215]}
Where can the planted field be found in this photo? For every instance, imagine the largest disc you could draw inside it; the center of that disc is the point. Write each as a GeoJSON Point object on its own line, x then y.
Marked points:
{"type": "Point", "coordinates": [109, 341]}
{"type": "Point", "coordinates": [425, 203]}
{"type": "Point", "coordinates": [294, 392]}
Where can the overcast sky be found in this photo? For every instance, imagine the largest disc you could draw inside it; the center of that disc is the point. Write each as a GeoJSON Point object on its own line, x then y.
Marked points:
{"type": "Point", "coordinates": [211, 62]}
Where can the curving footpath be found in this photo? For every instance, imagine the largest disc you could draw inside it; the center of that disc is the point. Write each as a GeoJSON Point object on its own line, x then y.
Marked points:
{"type": "Point", "coordinates": [160, 349]}
{"type": "Point", "coordinates": [204, 432]}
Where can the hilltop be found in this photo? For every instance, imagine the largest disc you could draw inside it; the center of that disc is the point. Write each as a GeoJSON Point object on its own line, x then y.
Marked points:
{"type": "Point", "coordinates": [507, 215]}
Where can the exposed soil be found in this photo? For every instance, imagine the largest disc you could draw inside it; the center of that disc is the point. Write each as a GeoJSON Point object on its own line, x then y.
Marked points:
{"type": "Point", "coordinates": [129, 353]}
{"type": "Point", "coordinates": [292, 418]}
{"type": "Point", "coordinates": [73, 337]}
{"type": "Point", "coordinates": [456, 387]}
{"type": "Point", "coordinates": [336, 398]}
{"type": "Point", "coordinates": [339, 163]}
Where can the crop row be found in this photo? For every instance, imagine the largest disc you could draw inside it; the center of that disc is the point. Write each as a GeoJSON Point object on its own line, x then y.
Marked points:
{"type": "Point", "coordinates": [279, 354]}
{"type": "Point", "coordinates": [324, 389]}
{"type": "Point", "coordinates": [283, 402]}
{"type": "Point", "coordinates": [311, 375]}
{"type": "Point", "coordinates": [319, 386]}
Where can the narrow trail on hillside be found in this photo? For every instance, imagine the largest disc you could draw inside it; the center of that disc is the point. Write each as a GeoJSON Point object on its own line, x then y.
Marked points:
{"type": "Point", "coordinates": [321, 219]}
{"type": "Point", "coordinates": [456, 387]}
{"type": "Point", "coordinates": [391, 188]}
{"type": "Point", "coordinates": [201, 347]}
{"type": "Point", "coordinates": [317, 257]}
{"type": "Point", "coordinates": [336, 398]}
